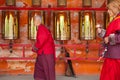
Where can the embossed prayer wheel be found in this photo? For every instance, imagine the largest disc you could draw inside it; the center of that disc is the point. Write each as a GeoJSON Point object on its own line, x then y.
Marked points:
{"type": "Point", "coordinates": [10, 2]}
{"type": "Point", "coordinates": [62, 28]}
{"type": "Point", "coordinates": [10, 26]}
{"type": "Point", "coordinates": [87, 3]}
{"type": "Point", "coordinates": [87, 25]}
{"type": "Point", "coordinates": [36, 3]}
{"type": "Point", "coordinates": [61, 3]}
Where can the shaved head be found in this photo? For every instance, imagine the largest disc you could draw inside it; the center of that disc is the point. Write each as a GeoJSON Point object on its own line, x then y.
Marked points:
{"type": "Point", "coordinates": [37, 20]}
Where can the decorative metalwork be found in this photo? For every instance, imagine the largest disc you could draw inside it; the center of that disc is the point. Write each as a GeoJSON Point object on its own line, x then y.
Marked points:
{"type": "Point", "coordinates": [87, 3]}
{"type": "Point", "coordinates": [10, 24]}
{"type": "Point", "coordinates": [62, 3]}
{"type": "Point", "coordinates": [62, 28]}
{"type": "Point", "coordinates": [87, 25]}
{"type": "Point", "coordinates": [10, 2]}
{"type": "Point", "coordinates": [32, 28]}
{"type": "Point", "coordinates": [36, 3]}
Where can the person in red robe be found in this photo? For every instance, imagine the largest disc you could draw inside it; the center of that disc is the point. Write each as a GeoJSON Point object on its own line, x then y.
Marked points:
{"type": "Point", "coordinates": [111, 37]}
{"type": "Point", "coordinates": [45, 49]}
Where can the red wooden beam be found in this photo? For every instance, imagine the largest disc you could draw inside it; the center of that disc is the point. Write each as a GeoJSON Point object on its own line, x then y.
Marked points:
{"type": "Point", "coordinates": [38, 8]}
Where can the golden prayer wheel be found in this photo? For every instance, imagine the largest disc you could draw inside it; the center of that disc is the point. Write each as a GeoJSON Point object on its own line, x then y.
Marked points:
{"type": "Point", "coordinates": [36, 3]}
{"type": "Point", "coordinates": [10, 2]}
{"type": "Point", "coordinates": [107, 19]}
{"type": "Point", "coordinates": [10, 26]}
{"type": "Point", "coordinates": [87, 25]}
{"type": "Point", "coordinates": [87, 3]}
{"type": "Point", "coordinates": [61, 3]}
{"type": "Point", "coordinates": [32, 29]}
{"type": "Point", "coordinates": [62, 28]}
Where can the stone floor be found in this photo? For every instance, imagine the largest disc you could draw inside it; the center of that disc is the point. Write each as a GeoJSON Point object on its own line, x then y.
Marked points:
{"type": "Point", "coordinates": [30, 77]}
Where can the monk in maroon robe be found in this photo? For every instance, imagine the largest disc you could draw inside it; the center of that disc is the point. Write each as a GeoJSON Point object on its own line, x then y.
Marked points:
{"type": "Point", "coordinates": [45, 48]}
